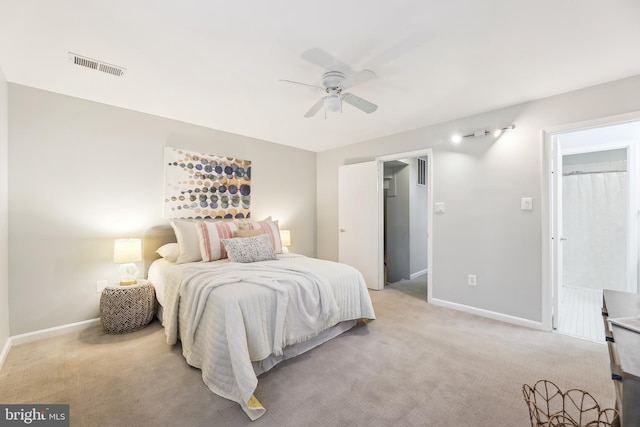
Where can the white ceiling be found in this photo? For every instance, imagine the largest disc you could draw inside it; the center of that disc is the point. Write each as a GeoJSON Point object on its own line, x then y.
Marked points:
{"type": "Point", "coordinates": [217, 63]}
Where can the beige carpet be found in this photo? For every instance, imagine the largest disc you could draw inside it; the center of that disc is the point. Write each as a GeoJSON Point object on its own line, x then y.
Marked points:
{"type": "Point", "coordinates": [416, 365]}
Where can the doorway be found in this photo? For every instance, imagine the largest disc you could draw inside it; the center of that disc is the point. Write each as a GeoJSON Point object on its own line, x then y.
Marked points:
{"type": "Point", "coordinates": [405, 225]}
{"type": "Point", "coordinates": [361, 216]}
{"type": "Point", "coordinates": [406, 217]}
{"type": "Point", "coordinates": [595, 222]}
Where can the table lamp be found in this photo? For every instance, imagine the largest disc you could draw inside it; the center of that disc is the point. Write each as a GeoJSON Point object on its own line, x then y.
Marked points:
{"type": "Point", "coordinates": [285, 239]}
{"type": "Point", "coordinates": [127, 252]}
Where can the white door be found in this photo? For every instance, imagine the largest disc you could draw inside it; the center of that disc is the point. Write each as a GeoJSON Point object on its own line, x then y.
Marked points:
{"type": "Point", "coordinates": [358, 220]}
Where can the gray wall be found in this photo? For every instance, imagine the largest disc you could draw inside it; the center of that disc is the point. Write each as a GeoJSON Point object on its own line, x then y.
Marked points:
{"type": "Point", "coordinates": [82, 174]}
{"type": "Point", "coordinates": [481, 181]}
{"type": "Point", "coordinates": [398, 226]}
{"type": "Point", "coordinates": [4, 274]}
{"type": "Point", "coordinates": [596, 157]}
{"type": "Point", "coordinates": [418, 220]}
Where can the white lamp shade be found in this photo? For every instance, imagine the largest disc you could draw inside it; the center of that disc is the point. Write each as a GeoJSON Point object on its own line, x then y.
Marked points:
{"type": "Point", "coordinates": [127, 250]}
{"type": "Point", "coordinates": [285, 238]}
{"type": "Point", "coordinates": [332, 103]}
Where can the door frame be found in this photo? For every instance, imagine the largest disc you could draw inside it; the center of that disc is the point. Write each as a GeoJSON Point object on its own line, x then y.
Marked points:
{"type": "Point", "coordinates": [552, 172]}
{"type": "Point", "coordinates": [428, 153]}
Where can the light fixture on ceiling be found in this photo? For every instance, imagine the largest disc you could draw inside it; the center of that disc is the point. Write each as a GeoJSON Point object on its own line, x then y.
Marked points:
{"type": "Point", "coordinates": [481, 133]}
{"type": "Point", "coordinates": [333, 103]}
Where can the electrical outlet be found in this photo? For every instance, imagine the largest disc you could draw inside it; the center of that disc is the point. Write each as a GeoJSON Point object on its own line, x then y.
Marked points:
{"type": "Point", "coordinates": [100, 285]}
{"type": "Point", "coordinates": [471, 279]}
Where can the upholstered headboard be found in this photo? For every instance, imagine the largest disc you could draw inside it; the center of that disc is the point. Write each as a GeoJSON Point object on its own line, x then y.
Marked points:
{"type": "Point", "coordinates": [153, 239]}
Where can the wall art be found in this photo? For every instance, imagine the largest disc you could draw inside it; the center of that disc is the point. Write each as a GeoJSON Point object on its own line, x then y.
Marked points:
{"type": "Point", "coordinates": [205, 186]}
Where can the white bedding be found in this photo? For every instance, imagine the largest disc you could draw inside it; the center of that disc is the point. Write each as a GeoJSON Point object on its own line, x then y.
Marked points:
{"type": "Point", "coordinates": [237, 320]}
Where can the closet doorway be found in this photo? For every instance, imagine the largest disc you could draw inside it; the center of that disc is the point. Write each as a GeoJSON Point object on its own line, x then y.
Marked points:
{"type": "Point", "coordinates": [406, 222]}
{"type": "Point", "coordinates": [361, 218]}
{"type": "Point", "coordinates": [596, 224]}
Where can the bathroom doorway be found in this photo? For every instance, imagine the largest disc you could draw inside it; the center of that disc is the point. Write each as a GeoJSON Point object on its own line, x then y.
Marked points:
{"type": "Point", "coordinates": [596, 224]}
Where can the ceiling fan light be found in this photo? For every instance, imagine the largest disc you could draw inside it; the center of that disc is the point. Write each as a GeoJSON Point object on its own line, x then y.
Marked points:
{"type": "Point", "coordinates": [332, 103]}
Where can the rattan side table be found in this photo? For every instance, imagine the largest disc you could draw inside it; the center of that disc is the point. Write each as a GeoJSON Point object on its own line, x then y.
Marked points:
{"type": "Point", "coordinates": [127, 308]}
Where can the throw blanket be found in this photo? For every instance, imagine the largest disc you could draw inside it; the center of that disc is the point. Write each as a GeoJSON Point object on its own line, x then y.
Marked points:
{"type": "Point", "coordinates": [303, 298]}
{"type": "Point", "coordinates": [236, 313]}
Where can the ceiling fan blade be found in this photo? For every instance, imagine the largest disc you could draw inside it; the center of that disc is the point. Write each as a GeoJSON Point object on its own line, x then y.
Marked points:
{"type": "Point", "coordinates": [316, 107]}
{"type": "Point", "coordinates": [359, 103]}
{"type": "Point", "coordinates": [357, 78]}
{"type": "Point", "coordinates": [302, 84]}
{"type": "Point", "coordinates": [324, 60]}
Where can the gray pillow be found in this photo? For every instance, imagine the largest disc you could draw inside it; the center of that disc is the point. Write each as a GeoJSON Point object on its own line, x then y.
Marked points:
{"type": "Point", "coordinates": [249, 249]}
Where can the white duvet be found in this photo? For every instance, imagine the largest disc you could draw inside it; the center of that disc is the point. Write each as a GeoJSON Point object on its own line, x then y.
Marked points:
{"type": "Point", "coordinates": [229, 315]}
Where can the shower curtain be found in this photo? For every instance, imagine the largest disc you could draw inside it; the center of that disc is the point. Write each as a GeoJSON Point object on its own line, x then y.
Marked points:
{"type": "Point", "coordinates": [594, 222]}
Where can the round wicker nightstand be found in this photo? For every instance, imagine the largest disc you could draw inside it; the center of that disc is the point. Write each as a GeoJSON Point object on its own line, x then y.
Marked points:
{"type": "Point", "coordinates": [127, 308]}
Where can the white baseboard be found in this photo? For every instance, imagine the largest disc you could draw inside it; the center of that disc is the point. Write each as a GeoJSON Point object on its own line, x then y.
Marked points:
{"type": "Point", "coordinates": [418, 274]}
{"type": "Point", "coordinates": [44, 333]}
{"type": "Point", "coordinates": [5, 351]}
{"type": "Point", "coordinates": [52, 332]}
{"type": "Point", "coordinates": [490, 314]}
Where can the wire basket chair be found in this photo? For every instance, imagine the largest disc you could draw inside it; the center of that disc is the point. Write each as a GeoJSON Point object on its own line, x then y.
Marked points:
{"type": "Point", "coordinates": [550, 407]}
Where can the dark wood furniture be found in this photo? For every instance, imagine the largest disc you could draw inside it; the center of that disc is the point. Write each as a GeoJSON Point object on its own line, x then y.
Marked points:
{"type": "Point", "coordinates": [624, 353]}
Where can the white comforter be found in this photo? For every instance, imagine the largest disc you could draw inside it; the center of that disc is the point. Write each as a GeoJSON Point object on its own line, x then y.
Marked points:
{"type": "Point", "coordinates": [229, 315]}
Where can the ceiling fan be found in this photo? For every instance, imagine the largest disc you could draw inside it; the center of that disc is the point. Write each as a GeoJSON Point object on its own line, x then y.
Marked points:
{"type": "Point", "coordinates": [335, 83]}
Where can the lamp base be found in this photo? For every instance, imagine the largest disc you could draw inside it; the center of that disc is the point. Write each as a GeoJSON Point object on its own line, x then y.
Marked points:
{"type": "Point", "coordinates": [128, 274]}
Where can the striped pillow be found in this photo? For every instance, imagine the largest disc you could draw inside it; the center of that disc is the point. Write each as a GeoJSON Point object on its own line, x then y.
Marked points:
{"type": "Point", "coordinates": [269, 228]}
{"type": "Point", "coordinates": [211, 235]}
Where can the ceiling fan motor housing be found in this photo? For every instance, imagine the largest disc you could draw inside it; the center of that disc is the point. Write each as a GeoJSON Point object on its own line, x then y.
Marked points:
{"type": "Point", "coordinates": [332, 79]}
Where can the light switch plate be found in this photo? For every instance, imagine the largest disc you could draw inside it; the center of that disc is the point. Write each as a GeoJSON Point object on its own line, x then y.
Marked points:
{"type": "Point", "coordinates": [439, 207]}
{"type": "Point", "coordinates": [526, 204]}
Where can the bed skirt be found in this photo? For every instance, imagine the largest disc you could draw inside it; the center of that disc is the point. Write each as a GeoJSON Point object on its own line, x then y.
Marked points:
{"type": "Point", "coordinates": [262, 366]}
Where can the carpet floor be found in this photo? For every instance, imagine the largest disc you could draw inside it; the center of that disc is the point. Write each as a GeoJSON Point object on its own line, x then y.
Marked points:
{"type": "Point", "coordinates": [416, 365]}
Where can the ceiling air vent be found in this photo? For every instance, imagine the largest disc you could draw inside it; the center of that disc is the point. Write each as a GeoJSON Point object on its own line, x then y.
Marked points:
{"type": "Point", "coordinates": [83, 61]}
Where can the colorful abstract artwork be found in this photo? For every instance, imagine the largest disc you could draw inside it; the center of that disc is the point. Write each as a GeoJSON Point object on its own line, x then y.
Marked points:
{"type": "Point", "coordinates": [205, 186]}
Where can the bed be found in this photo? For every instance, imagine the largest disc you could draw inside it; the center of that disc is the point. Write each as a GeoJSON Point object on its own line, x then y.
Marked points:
{"type": "Point", "coordinates": [238, 317]}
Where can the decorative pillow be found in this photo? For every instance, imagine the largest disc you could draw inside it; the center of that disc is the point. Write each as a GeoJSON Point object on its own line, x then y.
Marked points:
{"type": "Point", "coordinates": [170, 251]}
{"type": "Point", "coordinates": [247, 233]}
{"type": "Point", "coordinates": [242, 222]}
{"type": "Point", "coordinates": [270, 228]}
{"type": "Point", "coordinates": [187, 236]}
{"type": "Point", "coordinates": [210, 236]}
{"type": "Point", "coordinates": [249, 249]}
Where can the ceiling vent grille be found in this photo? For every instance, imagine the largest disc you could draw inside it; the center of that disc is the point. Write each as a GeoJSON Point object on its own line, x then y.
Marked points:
{"type": "Point", "coordinates": [93, 64]}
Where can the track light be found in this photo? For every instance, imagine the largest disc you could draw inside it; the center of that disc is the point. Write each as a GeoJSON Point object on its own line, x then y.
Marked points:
{"type": "Point", "coordinates": [481, 133]}
{"type": "Point", "coordinates": [499, 132]}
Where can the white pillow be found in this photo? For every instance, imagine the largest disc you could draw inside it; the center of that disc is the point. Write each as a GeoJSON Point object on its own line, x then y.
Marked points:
{"type": "Point", "coordinates": [249, 249]}
{"type": "Point", "coordinates": [170, 251]}
{"type": "Point", "coordinates": [210, 235]}
{"type": "Point", "coordinates": [187, 236]}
